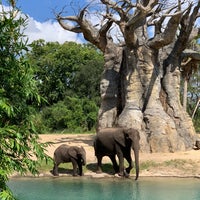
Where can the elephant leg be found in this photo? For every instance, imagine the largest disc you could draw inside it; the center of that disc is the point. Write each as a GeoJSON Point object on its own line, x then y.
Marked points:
{"type": "Point", "coordinates": [114, 162]}
{"type": "Point", "coordinates": [121, 163]}
{"type": "Point", "coordinates": [55, 169]}
{"type": "Point", "coordinates": [99, 161]}
{"type": "Point", "coordinates": [80, 168]}
{"type": "Point", "coordinates": [74, 164]}
{"type": "Point", "coordinates": [128, 169]}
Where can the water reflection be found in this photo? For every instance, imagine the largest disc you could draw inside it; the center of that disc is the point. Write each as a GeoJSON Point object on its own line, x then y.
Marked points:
{"type": "Point", "coordinates": [105, 189]}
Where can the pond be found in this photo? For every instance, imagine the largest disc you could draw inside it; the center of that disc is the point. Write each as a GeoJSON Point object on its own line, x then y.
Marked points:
{"type": "Point", "coordinates": [63, 188]}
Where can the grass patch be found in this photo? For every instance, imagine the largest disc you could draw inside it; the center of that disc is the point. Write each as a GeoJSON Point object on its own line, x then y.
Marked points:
{"type": "Point", "coordinates": [63, 167]}
{"type": "Point", "coordinates": [148, 164]}
{"type": "Point", "coordinates": [45, 166]}
{"type": "Point", "coordinates": [177, 163]}
{"type": "Point", "coordinates": [181, 164]}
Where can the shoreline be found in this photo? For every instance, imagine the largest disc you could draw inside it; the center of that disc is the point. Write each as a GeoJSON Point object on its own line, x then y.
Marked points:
{"type": "Point", "coordinates": [100, 176]}
{"type": "Point", "coordinates": [178, 164]}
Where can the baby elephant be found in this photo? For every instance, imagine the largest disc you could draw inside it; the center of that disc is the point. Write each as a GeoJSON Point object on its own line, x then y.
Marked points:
{"type": "Point", "coordinates": [74, 154]}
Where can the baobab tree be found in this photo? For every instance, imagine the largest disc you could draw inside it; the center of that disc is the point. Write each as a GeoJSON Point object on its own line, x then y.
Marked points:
{"type": "Point", "coordinates": [144, 44]}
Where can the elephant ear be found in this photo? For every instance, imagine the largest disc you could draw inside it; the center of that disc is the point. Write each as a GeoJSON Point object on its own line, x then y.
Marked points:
{"type": "Point", "coordinates": [119, 137]}
{"type": "Point", "coordinates": [73, 152]}
{"type": "Point", "coordinates": [82, 150]}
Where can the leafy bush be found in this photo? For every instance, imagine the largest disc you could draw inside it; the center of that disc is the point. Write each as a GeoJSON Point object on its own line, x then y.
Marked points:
{"type": "Point", "coordinates": [72, 115]}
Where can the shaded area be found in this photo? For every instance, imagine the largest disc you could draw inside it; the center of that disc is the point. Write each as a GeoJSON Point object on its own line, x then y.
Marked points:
{"type": "Point", "coordinates": [68, 169]}
{"type": "Point", "coordinates": [75, 140]}
{"type": "Point", "coordinates": [62, 170]}
{"type": "Point", "coordinates": [106, 168]}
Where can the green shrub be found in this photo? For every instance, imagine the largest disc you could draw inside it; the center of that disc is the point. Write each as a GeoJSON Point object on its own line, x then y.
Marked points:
{"type": "Point", "coordinates": [72, 115]}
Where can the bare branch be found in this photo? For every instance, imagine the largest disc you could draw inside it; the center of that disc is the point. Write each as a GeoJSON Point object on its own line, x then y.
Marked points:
{"type": "Point", "coordinates": [122, 8]}
{"type": "Point", "coordinates": [188, 53]}
{"type": "Point", "coordinates": [75, 29]}
{"type": "Point", "coordinates": [187, 24]}
{"type": "Point", "coordinates": [93, 34]}
{"type": "Point", "coordinates": [127, 5]}
{"type": "Point", "coordinates": [142, 12]}
{"type": "Point", "coordinates": [160, 19]}
{"type": "Point", "coordinates": [165, 38]}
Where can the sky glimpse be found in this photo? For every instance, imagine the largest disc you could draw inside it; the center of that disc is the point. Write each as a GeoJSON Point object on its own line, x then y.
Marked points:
{"type": "Point", "coordinates": [41, 19]}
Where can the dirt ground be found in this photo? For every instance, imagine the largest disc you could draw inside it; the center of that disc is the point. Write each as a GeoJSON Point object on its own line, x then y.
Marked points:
{"type": "Point", "coordinates": [179, 164]}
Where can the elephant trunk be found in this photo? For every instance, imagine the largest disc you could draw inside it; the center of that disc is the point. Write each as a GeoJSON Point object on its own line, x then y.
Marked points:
{"type": "Point", "coordinates": [83, 161]}
{"type": "Point", "coordinates": [136, 154]}
{"type": "Point", "coordinates": [83, 156]}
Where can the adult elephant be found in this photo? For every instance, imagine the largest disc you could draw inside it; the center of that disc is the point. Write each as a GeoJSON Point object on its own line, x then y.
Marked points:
{"type": "Point", "coordinates": [74, 154]}
{"type": "Point", "coordinates": [117, 141]}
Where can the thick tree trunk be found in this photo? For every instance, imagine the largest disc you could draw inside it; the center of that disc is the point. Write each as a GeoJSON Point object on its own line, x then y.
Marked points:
{"type": "Point", "coordinates": [183, 124]}
{"type": "Point", "coordinates": [109, 87]}
{"type": "Point", "coordinates": [185, 93]}
{"type": "Point", "coordinates": [132, 91]}
{"type": "Point", "coordinates": [150, 103]}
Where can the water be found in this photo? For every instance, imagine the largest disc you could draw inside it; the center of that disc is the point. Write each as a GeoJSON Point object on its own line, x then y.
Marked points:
{"type": "Point", "coordinates": [65, 188]}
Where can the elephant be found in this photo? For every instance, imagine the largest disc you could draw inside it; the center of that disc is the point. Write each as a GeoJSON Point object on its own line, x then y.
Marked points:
{"type": "Point", "coordinates": [65, 153]}
{"type": "Point", "coordinates": [117, 141]}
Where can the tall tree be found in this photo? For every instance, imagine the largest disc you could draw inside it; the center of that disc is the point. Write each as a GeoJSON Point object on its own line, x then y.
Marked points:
{"type": "Point", "coordinates": [67, 74]}
{"type": "Point", "coordinates": [18, 139]}
{"type": "Point", "coordinates": [140, 86]}
{"type": "Point", "coordinates": [66, 69]}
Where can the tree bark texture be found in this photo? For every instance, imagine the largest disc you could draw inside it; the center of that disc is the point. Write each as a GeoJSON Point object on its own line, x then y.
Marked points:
{"type": "Point", "coordinates": [140, 85]}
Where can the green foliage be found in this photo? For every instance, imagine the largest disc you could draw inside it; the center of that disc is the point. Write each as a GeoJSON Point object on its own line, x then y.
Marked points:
{"type": "Point", "coordinates": [72, 114]}
{"type": "Point", "coordinates": [68, 76]}
{"type": "Point", "coordinates": [65, 69]}
{"type": "Point", "coordinates": [18, 93]}
{"type": "Point", "coordinates": [193, 97]}
{"type": "Point", "coordinates": [175, 163]}
{"type": "Point", "coordinates": [148, 164]}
